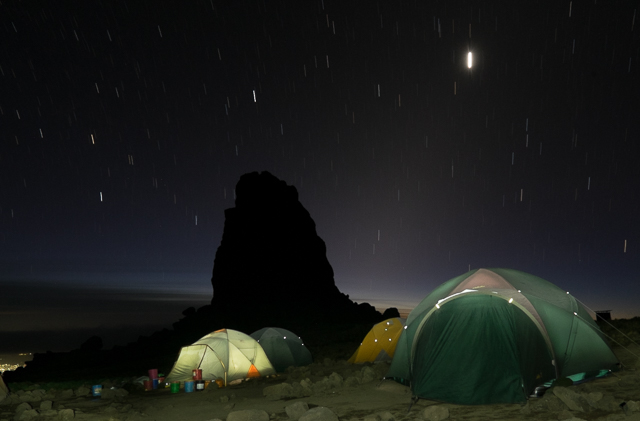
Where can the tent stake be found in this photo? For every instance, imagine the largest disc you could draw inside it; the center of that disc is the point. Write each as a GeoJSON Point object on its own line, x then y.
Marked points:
{"type": "Point", "coordinates": [414, 399]}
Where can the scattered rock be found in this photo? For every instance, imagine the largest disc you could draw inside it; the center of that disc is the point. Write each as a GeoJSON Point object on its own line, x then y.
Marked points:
{"type": "Point", "coordinates": [633, 406]}
{"type": "Point", "coordinates": [321, 386]}
{"type": "Point", "coordinates": [48, 413]}
{"type": "Point", "coordinates": [44, 405]}
{"type": "Point", "coordinates": [82, 391]}
{"type": "Point", "coordinates": [29, 396]}
{"type": "Point", "coordinates": [29, 414]}
{"type": "Point", "coordinates": [368, 375]}
{"type": "Point", "coordinates": [570, 398]}
{"type": "Point", "coordinates": [296, 410]}
{"type": "Point", "coordinates": [65, 394]}
{"type": "Point", "coordinates": [393, 387]}
{"type": "Point", "coordinates": [248, 415]}
{"type": "Point", "coordinates": [629, 381]}
{"type": "Point", "coordinates": [107, 393]}
{"type": "Point", "coordinates": [319, 413]}
{"type": "Point", "coordinates": [374, 417]}
{"type": "Point", "coordinates": [66, 415]}
{"type": "Point", "coordinates": [387, 416]}
{"type": "Point", "coordinates": [24, 406]}
{"type": "Point", "coordinates": [278, 391]}
{"type": "Point", "coordinates": [435, 413]}
{"type": "Point", "coordinates": [300, 391]}
{"type": "Point", "coordinates": [351, 382]}
{"type": "Point", "coordinates": [335, 379]}
{"type": "Point", "coordinates": [565, 415]}
{"type": "Point", "coordinates": [126, 408]}
{"type": "Point", "coordinates": [593, 398]}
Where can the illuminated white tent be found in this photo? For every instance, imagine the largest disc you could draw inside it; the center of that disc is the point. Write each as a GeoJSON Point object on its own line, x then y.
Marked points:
{"type": "Point", "coordinates": [224, 354]}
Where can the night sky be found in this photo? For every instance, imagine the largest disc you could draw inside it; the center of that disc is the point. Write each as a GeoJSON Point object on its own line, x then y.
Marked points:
{"type": "Point", "coordinates": [125, 126]}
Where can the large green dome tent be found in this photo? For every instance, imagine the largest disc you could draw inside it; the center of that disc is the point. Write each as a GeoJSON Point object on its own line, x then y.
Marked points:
{"type": "Point", "coordinates": [493, 336]}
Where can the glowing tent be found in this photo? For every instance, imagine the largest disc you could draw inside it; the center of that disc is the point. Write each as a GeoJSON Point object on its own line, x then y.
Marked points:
{"type": "Point", "coordinates": [380, 343]}
{"type": "Point", "coordinates": [493, 336]}
{"type": "Point", "coordinates": [283, 348]}
{"type": "Point", "coordinates": [226, 354]}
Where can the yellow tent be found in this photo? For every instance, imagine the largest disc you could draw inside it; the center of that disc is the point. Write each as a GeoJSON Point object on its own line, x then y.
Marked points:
{"type": "Point", "coordinates": [380, 342]}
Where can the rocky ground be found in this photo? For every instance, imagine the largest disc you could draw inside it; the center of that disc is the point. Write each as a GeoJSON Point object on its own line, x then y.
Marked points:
{"type": "Point", "coordinates": [331, 390]}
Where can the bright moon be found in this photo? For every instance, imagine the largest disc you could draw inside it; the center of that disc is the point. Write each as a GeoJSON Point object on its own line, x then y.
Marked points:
{"type": "Point", "coordinates": [469, 60]}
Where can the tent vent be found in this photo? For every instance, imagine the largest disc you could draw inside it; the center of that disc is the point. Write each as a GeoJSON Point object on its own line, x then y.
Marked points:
{"type": "Point", "coordinates": [253, 372]}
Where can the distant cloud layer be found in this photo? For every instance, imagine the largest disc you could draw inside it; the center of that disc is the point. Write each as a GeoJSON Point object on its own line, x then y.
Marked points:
{"type": "Point", "coordinates": [39, 316]}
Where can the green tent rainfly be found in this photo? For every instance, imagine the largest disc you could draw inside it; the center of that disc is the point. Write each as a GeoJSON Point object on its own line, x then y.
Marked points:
{"type": "Point", "coordinates": [283, 348]}
{"type": "Point", "coordinates": [493, 336]}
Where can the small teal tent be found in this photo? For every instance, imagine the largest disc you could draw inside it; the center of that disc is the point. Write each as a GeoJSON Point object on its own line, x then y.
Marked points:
{"type": "Point", "coordinates": [493, 336]}
{"type": "Point", "coordinates": [283, 348]}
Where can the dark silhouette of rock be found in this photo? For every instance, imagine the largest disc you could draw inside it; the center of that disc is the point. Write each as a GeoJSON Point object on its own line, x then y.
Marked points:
{"type": "Point", "coordinates": [92, 344]}
{"type": "Point", "coordinates": [390, 313]}
{"type": "Point", "coordinates": [271, 267]}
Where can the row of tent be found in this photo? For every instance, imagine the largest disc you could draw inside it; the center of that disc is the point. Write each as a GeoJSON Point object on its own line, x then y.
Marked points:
{"type": "Point", "coordinates": [232, 355]}
{"type": "Point", "coordinates": [490, 336]}
{"type": "Point", "coordinates": [487, 336]}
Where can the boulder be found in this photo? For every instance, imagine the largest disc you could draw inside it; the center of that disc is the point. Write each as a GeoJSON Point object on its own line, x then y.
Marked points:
{"type": "Point", "coordinates": [296, 410]}
{"type": "Point", "coordinates": [24, 406]}
{"type": "Point", "coordinates": [248, 415]}
{"type": "Point", "coordinates": [29, 414]}
{"type": "Point", "coordinates": [65, 394]}
{"type": "Point", "coordinates": [335, 379]}
{"type": "Point", "coordinates": [608, 403]}
{"type": "Point", "coordinates": [573, 400]}
{"type": "Point", "coordinates": [634, 406]}
{"type": "Point", "coordinates": [435, 413]}
{"type": "Point", "coordinates": [29, 396]}
{"type": "Point", "coordinates": [319, 413]}
{"type": "Point", "coordinates": [51, 413]}
{"type": "Point", "coordinates": [593, 398]}
{"type": "Point", "coordinates": [322, 386]}
{"type": "Point", "coordinates": [565, 415]}
{"type": "Point", "coordinates": [45, 405]}
{"type": "Point", "coordinates": [300, 391]}
{"type": "Point", "coordinates": [352, 382]}
{"type": "Point", "coordinates": [387, 416]}
{"type": "Point", "coordinates": [82, 391]}
{"type": "Point", "coordinates": [66, 415]}
{"type": "Point", "coordinates": [368, 374]}
{"type": "Point", "coordinates": [278, 391]}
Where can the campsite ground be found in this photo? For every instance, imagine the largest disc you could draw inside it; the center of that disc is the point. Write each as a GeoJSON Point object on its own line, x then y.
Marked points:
{"type": "Point", "coordinates": [353, 393]}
